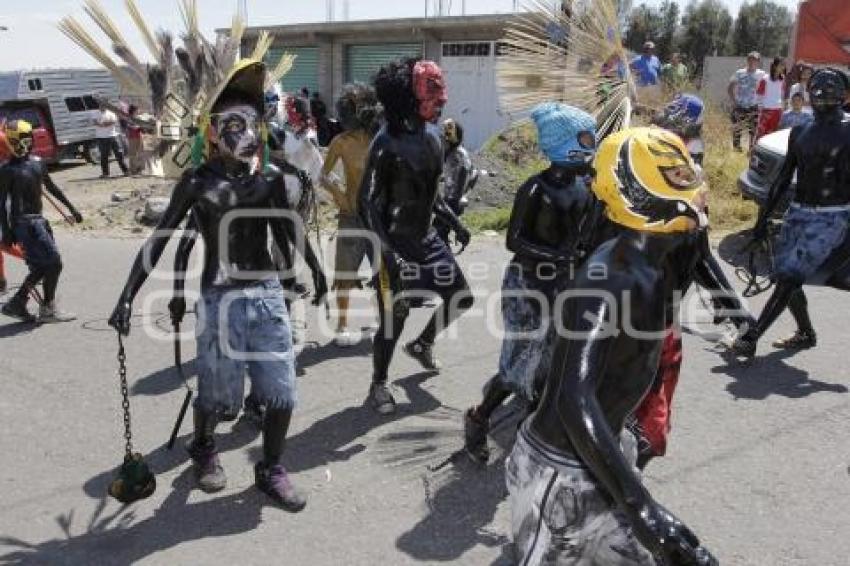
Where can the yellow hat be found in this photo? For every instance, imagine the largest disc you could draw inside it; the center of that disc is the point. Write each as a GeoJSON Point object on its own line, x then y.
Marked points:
{"type": "Point", "coordinates": [648, 181]}
{"type": "Point", "coordinates": [19, 137]}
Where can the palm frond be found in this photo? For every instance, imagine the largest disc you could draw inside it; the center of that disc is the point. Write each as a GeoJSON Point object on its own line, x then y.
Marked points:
{"type": "Point", "coordinates": [78, 34]}
{"type": "Point", "coordinates": [576, 57]}
{"type": "Point", "coordinates": [283, 66]}
{"type": "Point", "coordinates": [142, 26]}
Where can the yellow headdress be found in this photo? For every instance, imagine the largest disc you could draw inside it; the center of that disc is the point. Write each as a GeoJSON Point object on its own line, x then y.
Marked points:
{"type": "Point", "coordinates": [183, 82]}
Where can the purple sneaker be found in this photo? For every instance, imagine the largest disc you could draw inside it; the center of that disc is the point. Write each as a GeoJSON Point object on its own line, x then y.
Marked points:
{"type": "Point", "coordinates": [208, 470]}
{"type": "Point", "coordinates": [275, 482]}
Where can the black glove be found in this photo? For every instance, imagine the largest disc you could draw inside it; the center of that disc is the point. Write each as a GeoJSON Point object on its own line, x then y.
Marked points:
{"type": "Point", "coordinates": [462, 236]}
{"type": "Point", "coordinates": [120, 319]}
{"type": "Point", "coordinates": [320, 284]}
{"type": "Point", "coordinates": [177, 308]}
{"type": "Point", "coordinates": [670, 539]}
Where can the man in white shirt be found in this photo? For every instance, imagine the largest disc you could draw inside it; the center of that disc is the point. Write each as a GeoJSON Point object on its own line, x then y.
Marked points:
{"type": "Point", "coordinates": [106, 132]}
{"type": "Point", "coordinates": [742, 93]}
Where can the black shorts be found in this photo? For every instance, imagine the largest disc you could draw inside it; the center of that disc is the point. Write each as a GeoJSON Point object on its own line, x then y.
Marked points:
{"type": "Point", "coordinates": [36, 237]}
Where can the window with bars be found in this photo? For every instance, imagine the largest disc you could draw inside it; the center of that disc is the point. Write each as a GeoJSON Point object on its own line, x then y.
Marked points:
{"type": "Point", "coordinates": [467, 49]}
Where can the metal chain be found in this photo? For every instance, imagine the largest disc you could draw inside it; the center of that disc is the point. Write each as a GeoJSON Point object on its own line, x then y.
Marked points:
{"type": "Point", "coordinates": [125, 396]}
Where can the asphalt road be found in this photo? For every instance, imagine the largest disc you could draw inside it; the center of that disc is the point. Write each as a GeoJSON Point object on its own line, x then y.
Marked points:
{"type": "Point", "coordinates": [757, 464]}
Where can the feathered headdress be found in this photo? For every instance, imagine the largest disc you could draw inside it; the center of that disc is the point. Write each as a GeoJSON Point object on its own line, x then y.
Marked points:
{"type": "Point", "coordinates": [572, 54]}
{"type": "Point", "coordinates": [182, 82]}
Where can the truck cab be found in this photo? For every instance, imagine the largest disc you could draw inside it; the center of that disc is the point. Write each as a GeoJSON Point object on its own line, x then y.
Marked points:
{"type": "Point", "coordinates": [766, 160]}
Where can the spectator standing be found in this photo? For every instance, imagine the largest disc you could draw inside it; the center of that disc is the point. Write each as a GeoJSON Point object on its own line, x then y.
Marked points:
{"type": "Point", "coordinates": [771, 97]}
{"type": "Point", "coordinates": [797, 115]}
{"type": "Point", "coordinates": [134, 141]}
{"type": "Point", "coordinates": [106, 132]}
{"type": "Point", "coordinates": [675, 73]}
{"type": "Point", "coordinates": [801, 87]}
{"type": "Point", "coordinates": [646, 66]}
{"type": "Point", "coordinates": [742, 93]}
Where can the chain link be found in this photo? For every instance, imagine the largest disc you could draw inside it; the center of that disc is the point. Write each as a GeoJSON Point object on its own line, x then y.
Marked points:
{"type": "Point", "coordinates": [125, 396]}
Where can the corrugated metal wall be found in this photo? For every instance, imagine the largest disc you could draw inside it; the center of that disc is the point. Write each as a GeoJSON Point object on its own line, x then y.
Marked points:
{"type": "Point", "coordinates": [305, 71]}
{"type": "Point", "coordinates": [363, 61]}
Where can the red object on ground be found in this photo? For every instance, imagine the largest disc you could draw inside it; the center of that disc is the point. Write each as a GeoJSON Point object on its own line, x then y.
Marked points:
{"type": "Point", "coordinates": [655, 411]}
{"type": "Point", "coordinates": [14, 250]}
{"type": "Point", "coordinates": [823, 32]}
{"type": "Point", "coordinates": [769, 119]}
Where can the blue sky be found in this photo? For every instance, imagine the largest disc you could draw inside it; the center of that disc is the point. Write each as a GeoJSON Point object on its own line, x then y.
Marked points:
{"type": "Point", "coordinates": [33, 41]}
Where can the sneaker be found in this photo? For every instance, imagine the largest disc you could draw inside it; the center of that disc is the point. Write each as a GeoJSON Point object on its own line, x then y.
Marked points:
{"type": "Point", "coordinates": [345, 339]}
{"type": "Point", "coordinates": [475, 437]}
{"type": "Point", "coordinates": [744, 347]}
{"type": "Point", "coordinates": [275, 482]}
{"type": "Point", "coordinates": [381, 399]}
{"type": "Point", "coordinates": [49, 314]}
{"type": "Point", "coordinates": [254, 411]}
{"type": "Point", "coordinates": [18, 309]}
{"type": "Point", "coordinates": [208, 470]}
{"type": "Point", "coordinates": [424, 354]}
{"type": "Point", "coordinates": [798, 341]}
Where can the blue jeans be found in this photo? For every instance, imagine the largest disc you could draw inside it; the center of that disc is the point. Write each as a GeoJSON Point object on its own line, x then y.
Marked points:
{"type": "Point", "coordinates": [808, 238]}
{"type": "Point", "coordinates": [244, 329]}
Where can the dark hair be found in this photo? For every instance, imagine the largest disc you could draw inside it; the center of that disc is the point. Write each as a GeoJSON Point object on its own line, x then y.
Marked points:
{"type": "Point", "coordinates": [394, 88]}
{"type": "Point", "coordinates": [132, 108]}
{"type": "Point", "coordinates": [357, 106]}
{"type": "Point", "coordinates": [798, 95]}
{"type": "Point", "coordinates": [777, 61]}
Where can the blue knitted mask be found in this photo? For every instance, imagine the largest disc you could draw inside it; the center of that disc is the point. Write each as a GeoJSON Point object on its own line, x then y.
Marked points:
{"type": "Point", "coordinates": [567, 135]}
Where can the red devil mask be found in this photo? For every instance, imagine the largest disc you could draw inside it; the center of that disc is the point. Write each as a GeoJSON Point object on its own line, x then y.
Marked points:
{"type": "Point", "coordinates": [297, 114]}
{"type": "Point", "coordinates": [429, 87]}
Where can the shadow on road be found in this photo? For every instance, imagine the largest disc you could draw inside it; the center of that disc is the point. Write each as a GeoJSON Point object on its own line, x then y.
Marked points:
{"type": "Point", "coordinates": [164, 381]}
{"type": "Point", "coordinates": [462, 497]}
{"type": "Point", "coordinates": [314, 354]}
{"type": "Point", "coordinates": [117, 539]}
{"type": "Point", "coordinates": [771, 375]}
{"type": "Point", "coordinates": [327, 440]}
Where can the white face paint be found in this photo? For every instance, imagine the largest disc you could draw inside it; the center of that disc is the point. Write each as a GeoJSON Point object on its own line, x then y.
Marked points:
{"type": "Point", "coordinates": [236, 132]}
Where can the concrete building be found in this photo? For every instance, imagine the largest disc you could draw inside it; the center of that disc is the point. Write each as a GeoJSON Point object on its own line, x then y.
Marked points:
{"type": "Point", "coordinates": [466, 47]}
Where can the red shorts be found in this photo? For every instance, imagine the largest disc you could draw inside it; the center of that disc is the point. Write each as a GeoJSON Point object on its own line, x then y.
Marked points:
{"type": "Point", "coordinates": [653, 415]}
{"type": "Point", "coordinates": [769, 119]}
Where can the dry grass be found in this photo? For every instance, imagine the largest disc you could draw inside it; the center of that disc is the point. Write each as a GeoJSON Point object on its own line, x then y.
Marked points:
{"type": "Point", "coordinates": [519, 157]}
{"type": "Point", "coordinates": [728, 209]}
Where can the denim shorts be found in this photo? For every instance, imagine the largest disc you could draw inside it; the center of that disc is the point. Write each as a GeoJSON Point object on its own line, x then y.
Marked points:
{"type": "Point", "coordinates": [808, 238]}
{"type": "Point", "coordinates": [244, 329]}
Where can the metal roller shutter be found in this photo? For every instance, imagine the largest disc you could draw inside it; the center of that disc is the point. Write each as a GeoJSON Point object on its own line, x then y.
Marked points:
{"type": "Point", "coordinates": [305, 70]}
{"type": "Point", "coordinates": [363, 61]}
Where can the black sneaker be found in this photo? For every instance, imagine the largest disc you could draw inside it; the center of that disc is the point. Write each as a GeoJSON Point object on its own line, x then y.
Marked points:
{"type": "Point", "coordinates": [475, 437]}
{"type": "Point", "coordinates": [208, 470]}
{"type": "Point", "coordinates": [424, 354]}
{"type": "Point", "coordinates": [744, 347]}
{"type": "Point", "coordinates": [798, 341]}
{"type": "Point", "coordinates": [274, 481]}
{"type": "Point", "coordinates": [18, 309]}
{"type": "Point", "coordinates": [381, 399]}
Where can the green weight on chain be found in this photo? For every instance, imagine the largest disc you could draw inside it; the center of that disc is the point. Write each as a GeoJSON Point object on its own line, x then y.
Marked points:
{"type": "Point", "coordinates": [134, 480]}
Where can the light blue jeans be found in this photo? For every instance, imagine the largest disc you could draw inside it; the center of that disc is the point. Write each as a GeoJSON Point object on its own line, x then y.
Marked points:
{"type": "Point", "coordinates": [244, 329]}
